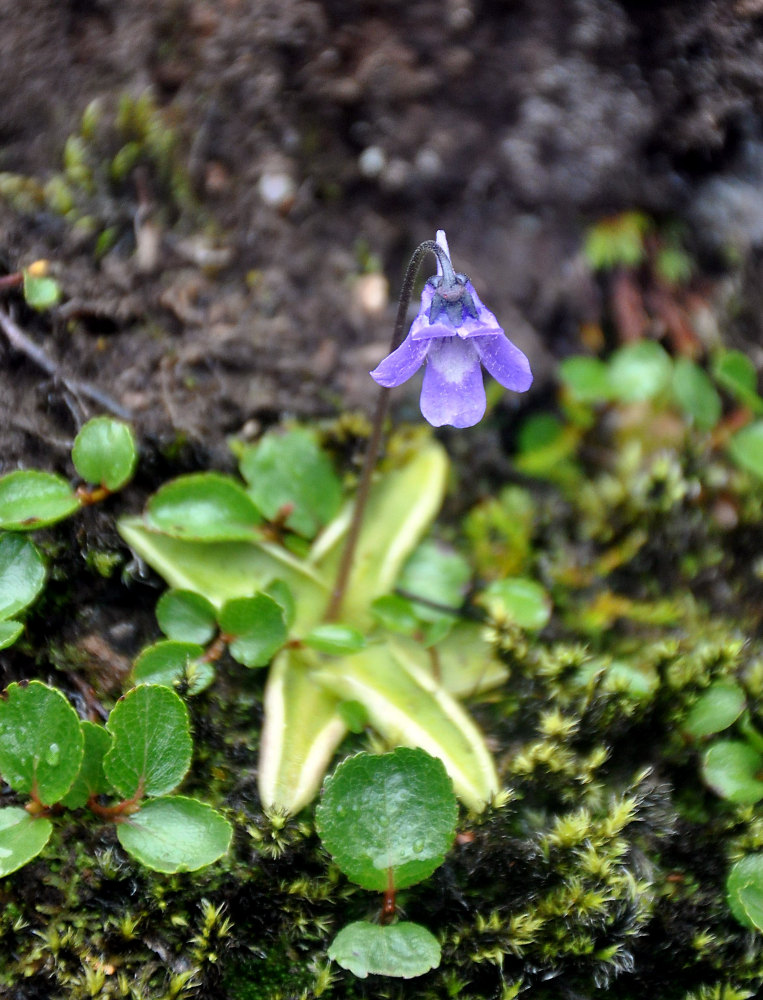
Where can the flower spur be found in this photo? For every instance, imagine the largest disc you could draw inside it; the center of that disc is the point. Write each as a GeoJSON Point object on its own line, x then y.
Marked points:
{"type": "Point", "coordinates": [454, 334]}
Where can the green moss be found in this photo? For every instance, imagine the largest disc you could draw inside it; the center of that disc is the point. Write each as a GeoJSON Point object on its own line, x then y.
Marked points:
{"type": "Point", "coordinates": [273, 976]}
{"type": "Point", "coordinates": [98, 162]}
{"type": "Point", "coordinates": [600, 870]}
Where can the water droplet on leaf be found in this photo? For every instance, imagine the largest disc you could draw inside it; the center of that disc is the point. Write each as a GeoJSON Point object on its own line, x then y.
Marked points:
{"type": "Point", "coordinates": [52, 754]}
{"type": "Point", "coordinates": [418, 846]}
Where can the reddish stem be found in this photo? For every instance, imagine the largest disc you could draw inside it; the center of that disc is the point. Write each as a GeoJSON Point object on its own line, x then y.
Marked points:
{"type": "Point", "coordinates": [120, 810]}
{"type": "Point", "coordinates": [389, 906]}
{"type": "Point", "coordinates": [12, 280]}
{"type": "Point", "coordinates": [88, 495]}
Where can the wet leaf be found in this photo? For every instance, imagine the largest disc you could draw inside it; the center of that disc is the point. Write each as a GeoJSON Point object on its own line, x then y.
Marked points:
{"type": "Point", "coordinates": [288, 472]}
{"type": "Point", "coordinates": [716, 709]}
{"type": "Point", "coordinates": [203, 506]}
{"type": "Point", "coordinates": [732, 768]}
{"type": "Point", "coordinates": [9, 632]}
{"type": "Point", "coordinates": [175, 834]}
{"type": "Point", "coordinates": [105, 452]}
{"type": "Point", "coordinates": [744, 891]}
{"type": "Point", "coordinates": [90, 779]}
{"type": "Point", "coordinates": [403, 950]}
{"type": "Point", "coordinates": [32, 499]}
{"type": "Point", "coordinates": [22, 573]}
{"type": "Point", "coordinates": [170, 662]}
{"type": "Point", "coordinates": [186, 616]}
{"type": "Point", "coordinates": [256, 628]}
{"type": "Point", "coordinates": [41, 743]}
{"type": "Point", "coordinates": [152, 742]}
{"type": "Point", "coordinates": [22, 837]}
{"type": "Point", "coordinates": [391, 812]}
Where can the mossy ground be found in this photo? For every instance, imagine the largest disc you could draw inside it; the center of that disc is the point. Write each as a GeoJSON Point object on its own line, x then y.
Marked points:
{"type": "Point", "coordinates": [601, 868]}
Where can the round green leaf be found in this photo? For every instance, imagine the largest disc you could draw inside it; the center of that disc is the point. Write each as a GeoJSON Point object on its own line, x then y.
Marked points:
{"type": "Point", "coordinates": [403, 950]}
{"type": "Point", "coordinates": [169, 662]}
{"type": "Point", "coordinates": [9, 632]}
{"type": "Point", "coordinates": [395, 613]}
{"type": "Point", "coordinates": [696, 394]}
{"type": "Point", "coordinates": [175, 834]}
{"type": "Point", "coordinates": [521, 600]}
{"type": "Point", "coordinates": [105, 452]}
{"type": "Point", "coordinates": [282, 594]}
{"type": "Point", "coordinates": [256, 629]}
{"type": "Point", "coordinates": [394, 811]}
{"type": "Point", "coordinates": [22, 837]}
{"type": "Point", "coordinates": [587, 379]}
{"type": "Point", "coordinates": [333, 638]}
{"type": "Point", "coordinates": [744, 891]}
{"type": "Point", "coordinates": [40, 291]}
{"type": "Point", "coordinates": [204, 507]}
{"type": "Point", "coordinates": [731, 768]}
{"type": "Point", "coordinates": [187, 616]}
{"type": "Point", "coordinates": [639, 371]}
{"type": "Point", "coordinates": [152, 742]}
{"type": "Point", "coordinates": [746, 448]}
{"type": "Point", "coordinates": [438, 575]}
{"type": "Point", "coordinates": [90, 780]}
{"type": "Point", "coordinates": [288, 473]}
{"type": "Point", "coordinates": [736, 373]}
{"type": "Point", "coordinates": [716, 709]}
{"type": "Point", "coordinates": [22, 574]}
{"type": "Point", "coordinates": [41, 743]}
{"type": "Point", "coordinates": [33, 499]}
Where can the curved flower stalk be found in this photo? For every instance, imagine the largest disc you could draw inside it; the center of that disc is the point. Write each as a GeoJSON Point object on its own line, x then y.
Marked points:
{"type": "Point", "coordinates": [454, 334]}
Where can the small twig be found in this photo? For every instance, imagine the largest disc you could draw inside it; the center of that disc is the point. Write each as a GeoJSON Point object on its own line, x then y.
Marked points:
{"type": "Point", "coordinates": [12, 280]}
{"type": "Point", "coordinates": [20, 342]}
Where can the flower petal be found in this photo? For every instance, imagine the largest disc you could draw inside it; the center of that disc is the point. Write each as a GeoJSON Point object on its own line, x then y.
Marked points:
{"type": "Point", "coordinates": [485, 322]}
{"type": "Point", "coordinates": [442, 240]}
{"type": "Point", "coordinates": [505, 362]}
{"type": "Point", "coordinates": [452, 392]}
{"type": "Point", "coordinates": [398, 367]}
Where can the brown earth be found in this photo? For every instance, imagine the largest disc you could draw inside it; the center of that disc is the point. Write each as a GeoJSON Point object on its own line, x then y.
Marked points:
{"type": "Point", "coordinates": [317, 137]}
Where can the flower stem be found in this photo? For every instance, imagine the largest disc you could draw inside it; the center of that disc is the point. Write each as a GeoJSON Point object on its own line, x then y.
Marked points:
{"type": "Point", "coordinates": [334, 608]}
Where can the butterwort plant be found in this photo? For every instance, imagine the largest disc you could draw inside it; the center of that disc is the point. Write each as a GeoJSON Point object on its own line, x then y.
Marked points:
{"type": "Point", "coordinates": [343, 659]}
{"type": "Point", "coordinates": [454, 335]}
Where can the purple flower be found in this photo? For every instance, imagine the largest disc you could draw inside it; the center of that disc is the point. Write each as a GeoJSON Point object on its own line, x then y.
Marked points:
{"type": "Point", "coordinates": [454, 333]}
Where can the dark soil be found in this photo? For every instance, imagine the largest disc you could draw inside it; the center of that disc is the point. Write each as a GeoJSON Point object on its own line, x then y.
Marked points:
{"type": "Point", "coordinates": [511, 125]}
